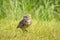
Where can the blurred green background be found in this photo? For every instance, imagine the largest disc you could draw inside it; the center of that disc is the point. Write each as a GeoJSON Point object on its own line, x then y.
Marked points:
{"type": "Point", "coordinates": [39, 9]}
{"type": "Point", "coordinates": [45, 19]}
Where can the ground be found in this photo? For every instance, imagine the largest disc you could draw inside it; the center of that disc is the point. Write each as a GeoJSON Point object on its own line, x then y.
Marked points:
{"type": "Point", "coordinates": [39, 30]}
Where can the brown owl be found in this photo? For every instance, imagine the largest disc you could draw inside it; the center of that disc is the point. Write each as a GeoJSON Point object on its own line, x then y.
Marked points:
{"type": "Point", "coordinates": [25, 22]}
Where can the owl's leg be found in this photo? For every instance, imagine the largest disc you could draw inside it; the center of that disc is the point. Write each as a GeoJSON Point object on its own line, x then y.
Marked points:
{"type": "Point", "coordinates": [26, 31]}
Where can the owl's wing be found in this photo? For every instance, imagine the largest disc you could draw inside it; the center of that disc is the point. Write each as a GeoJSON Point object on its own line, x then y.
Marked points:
{"type": "Point", "coordinates": [22, 24]}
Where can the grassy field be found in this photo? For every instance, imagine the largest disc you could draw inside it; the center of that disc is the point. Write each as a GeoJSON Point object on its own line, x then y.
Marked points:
{"type": "Point", "coordinates": [45, 19]}
{"type": "Point", "coordinates": [39, 30]}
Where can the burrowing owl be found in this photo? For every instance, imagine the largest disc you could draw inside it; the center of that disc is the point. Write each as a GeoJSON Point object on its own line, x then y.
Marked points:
{"type": "Point", "coordinates": [25, 22]}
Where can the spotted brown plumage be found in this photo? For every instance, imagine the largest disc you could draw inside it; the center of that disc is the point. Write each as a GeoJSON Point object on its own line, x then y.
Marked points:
{"type": "Point", "coordinates": [25, 22]}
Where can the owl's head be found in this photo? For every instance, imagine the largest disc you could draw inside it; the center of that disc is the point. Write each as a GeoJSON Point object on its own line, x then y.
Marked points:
{"type": "Point", "coordinates": [27, 17]}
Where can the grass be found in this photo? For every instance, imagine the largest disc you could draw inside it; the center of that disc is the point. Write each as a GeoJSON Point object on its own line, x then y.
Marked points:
{"type": "Point", "coordinates": [45, 23]}
{"type": "Point", "coordinates": [39, 30]}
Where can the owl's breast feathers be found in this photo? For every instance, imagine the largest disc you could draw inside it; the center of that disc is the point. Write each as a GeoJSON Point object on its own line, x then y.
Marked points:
{"type": "Point", "coordinates": [24, 23]}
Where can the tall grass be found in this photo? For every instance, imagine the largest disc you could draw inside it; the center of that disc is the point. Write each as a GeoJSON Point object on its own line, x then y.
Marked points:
{"type": "Point", "coordinates": [45, 19]}
{"type": "Point", "coordinates": [39, 9]}
{"type": "Point", "coordinates": [41, 30]}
